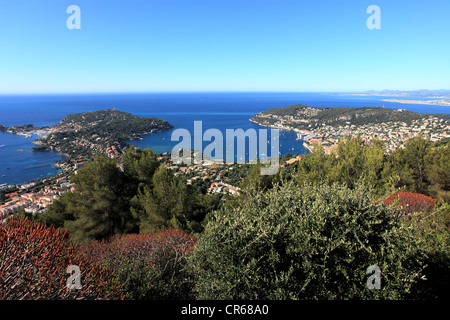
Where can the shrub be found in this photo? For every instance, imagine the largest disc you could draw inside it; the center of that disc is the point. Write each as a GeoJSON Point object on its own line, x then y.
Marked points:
{"type": "Point", "coordinates": [433, 231]}
{"type": "Point", "coordinates": [411, 202]}
{"type": "Point", "coordinates": [304, 243]}
{"type": "Point", "coordinates": [150, 266]}
{"type": "Point", "coordinates": [33, 263]}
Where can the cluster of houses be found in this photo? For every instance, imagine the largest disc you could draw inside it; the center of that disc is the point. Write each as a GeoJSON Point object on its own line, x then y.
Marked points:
{"type": "Point", "coordinates": [220, 187]}
{"type": "Point", "coordinates": [33, 202]}
{"type": "Point", "coordinates": [393, 134]}
{"type": "Point", "coordinates": [205, 171]}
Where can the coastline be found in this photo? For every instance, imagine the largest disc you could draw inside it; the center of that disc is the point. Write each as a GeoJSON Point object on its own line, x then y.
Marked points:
{"type": "Point", "coordinates": [445, 103]}
{"type": "Point", "coordinates": [303, 134]}
{"type": "Point", "coordinates": [21, 165]}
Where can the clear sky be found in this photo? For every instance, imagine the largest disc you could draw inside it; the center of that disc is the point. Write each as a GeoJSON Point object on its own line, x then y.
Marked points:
{"type": "Point", "coordinates": [223, 45]}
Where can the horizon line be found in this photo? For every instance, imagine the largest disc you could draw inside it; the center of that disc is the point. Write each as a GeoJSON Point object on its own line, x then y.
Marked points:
{"type": "Point", "coordinates": [211, 91]}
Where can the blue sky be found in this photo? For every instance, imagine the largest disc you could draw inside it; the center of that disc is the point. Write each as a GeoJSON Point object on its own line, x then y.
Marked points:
{"type": "Point", "coordinates": [223, 45]}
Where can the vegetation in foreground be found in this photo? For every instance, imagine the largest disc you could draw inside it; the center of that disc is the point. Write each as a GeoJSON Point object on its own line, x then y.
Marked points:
{"type": "Point", "coordinates": [309, 232]}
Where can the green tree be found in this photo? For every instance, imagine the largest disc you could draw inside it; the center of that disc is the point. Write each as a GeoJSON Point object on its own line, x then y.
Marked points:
{"type": "Point", "coordinates": [409, 164]}
{"type": "Point", "coordinates": [140, 165]}
{"type": "Point", "coordinates": [100, 206]}
{"type": "Point", "coordinates": [433, 231]}
{"type": "Point", "coordinates": [63, 209]}
{"type": "Point", "coordinates": [357, 160]}
{"type": "Point", "coordinates": [162, 206]}
{"type": "Point", "coordinates": [255, 180]}
{"type": "Point", "coordinates": [437, 169]}
{"type": "Point", "coordinates": [315, 168]}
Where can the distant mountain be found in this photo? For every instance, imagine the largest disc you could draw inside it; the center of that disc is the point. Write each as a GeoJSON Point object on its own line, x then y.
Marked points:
{"type": "Point", "coordinates": [2, 128]}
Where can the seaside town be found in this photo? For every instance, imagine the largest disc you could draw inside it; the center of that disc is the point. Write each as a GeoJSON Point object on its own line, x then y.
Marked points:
{"type": "Point", "coordinates": [35, 197]}
{"type": "Point", "coordinates": [393, 134]}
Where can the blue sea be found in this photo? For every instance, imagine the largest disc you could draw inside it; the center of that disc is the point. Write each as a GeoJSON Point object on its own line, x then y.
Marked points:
{"type": "Point", "coordinates": [18, 164]}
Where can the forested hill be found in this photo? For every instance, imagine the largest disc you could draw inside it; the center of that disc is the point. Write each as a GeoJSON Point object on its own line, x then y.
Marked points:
{"type": "Point", "coordinates": [99, 132]}
{"type": "Point", "coordinates": [113, 123]}
{"type": "Point", "coordinates": [301, 116]}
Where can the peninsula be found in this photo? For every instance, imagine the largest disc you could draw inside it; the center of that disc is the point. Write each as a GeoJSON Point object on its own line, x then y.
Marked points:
{"type": "Point", "coordinates": [327, 125]}
{"type": "Point", "coordinates": [82, 135]}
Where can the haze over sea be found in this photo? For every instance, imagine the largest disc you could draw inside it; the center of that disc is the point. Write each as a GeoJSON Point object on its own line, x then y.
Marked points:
{"type": "Point", "coordinates": [18, 164]}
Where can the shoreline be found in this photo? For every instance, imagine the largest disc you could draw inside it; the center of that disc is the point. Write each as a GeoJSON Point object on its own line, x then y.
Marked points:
{"type": "Point", "coordinates": [303, 133]}
{"type": "Point", "coordinates": [444, 103]}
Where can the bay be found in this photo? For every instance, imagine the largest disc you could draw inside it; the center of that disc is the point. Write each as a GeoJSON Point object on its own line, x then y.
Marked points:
{"type": "Point", "coordinates": [19, 164]}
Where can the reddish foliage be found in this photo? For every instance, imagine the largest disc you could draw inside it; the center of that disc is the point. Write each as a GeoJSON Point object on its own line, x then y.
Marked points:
{"type": "Point", "coordinates": [411, 202]}
{"type": "Point", "coordinates": [33, 263]}
{"type": "Point", "coordinates": [160, 245]}
{"type": "Point", "coordinates": [150, 266]}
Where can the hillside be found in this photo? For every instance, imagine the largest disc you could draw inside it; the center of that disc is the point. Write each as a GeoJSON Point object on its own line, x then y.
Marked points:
{"type": "Point", "coordinates": [105, 131]}
{"type": "Point", "coordinates": [329, 125]}
{"type": "Point", "coordinates": [113, 123]}
{"type": "Point", "coordinates": [303, 117]}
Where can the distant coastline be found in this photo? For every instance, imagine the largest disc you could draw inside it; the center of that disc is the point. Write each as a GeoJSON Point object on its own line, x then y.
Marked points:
{"type": "Point", "coordinates": [430, 102]}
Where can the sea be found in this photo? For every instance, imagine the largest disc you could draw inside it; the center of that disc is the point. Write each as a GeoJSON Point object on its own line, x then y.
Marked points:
{"type": "Point", "coordinates": [230, 110]}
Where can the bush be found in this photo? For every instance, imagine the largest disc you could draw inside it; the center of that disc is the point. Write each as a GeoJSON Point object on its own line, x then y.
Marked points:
{"type": "Point", "coordinates": [433, 230]}
{"type": "Point", "coordinates": [33, 263]}
{"type": "Point", "coordinates": [149, 266]}
{"type": "Point", "coordinates": [411, 202]}
{"type": "Point", "coordinates": [305, 243]}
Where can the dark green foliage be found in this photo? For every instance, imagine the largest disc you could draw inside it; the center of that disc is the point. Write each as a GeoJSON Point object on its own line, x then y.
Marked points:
{"type": "Point", "coordinates": [100, 207]}
{"type": "Point", "coordinates": [162, 206]}
{"type": "Point", "coordinates": [140, 165]}
{"type": "Point", "coordinates": [114, 124]}
{"type": "Point", "coordinates": [409, 164]}
{"type": "Point", "coordinates": [315, 168]}
{"type": "Point", "coordinates": [433, 231]}
{"type": "Point", "coordinates": [304, 243]}
{"type": "Point", "coordinates": [255, 180]}
{"type": "Point", "coordinates": [437, 170]}
{"type": "Point", "coordinates": [422, 167]}
{"type": "Point", "coordinates": [356, 160]}
{"type": "Point", "coordinates": [171, 203]}
{"type": "Point", "coordinates": [236, 174]}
